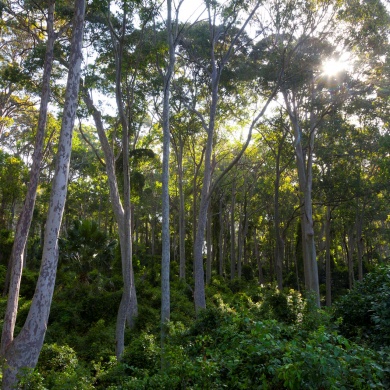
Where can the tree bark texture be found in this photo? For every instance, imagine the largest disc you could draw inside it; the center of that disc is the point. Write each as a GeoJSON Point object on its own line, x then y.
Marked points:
{"type": "Point", "coordinates": [24, 350]}
{"type": "Point", "coordinates": [165, 256]}
{"type": "Point", "coordinates": [24, 222]}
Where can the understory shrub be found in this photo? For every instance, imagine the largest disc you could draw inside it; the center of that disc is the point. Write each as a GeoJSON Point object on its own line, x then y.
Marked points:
{"type": "Point", "coordinates": [365, 310]}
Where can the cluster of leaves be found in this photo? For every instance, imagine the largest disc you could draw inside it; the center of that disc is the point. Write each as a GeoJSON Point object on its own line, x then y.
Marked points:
{"type": "Point", "coordinates": [365, 310]}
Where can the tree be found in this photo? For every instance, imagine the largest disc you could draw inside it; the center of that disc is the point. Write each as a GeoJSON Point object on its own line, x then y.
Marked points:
{"type": "Point", "coordinates": [219, 37]}
{"type": "Point", "coordinates": [23, 351]}
{"type": "Point", "coordinates": [25, 218]}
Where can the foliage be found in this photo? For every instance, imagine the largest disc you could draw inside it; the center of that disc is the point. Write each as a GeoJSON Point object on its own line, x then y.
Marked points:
{"type": "Point", "coordinates": [365, 310]}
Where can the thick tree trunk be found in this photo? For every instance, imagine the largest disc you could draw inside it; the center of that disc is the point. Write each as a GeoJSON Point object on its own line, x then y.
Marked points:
{"type": "Point", "coordinates": [24, 350]}
{"type": "Point", "coordinates": [24, 223]}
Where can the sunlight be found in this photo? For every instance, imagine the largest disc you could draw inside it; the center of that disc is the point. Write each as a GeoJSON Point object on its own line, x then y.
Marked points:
{"type": "Point", "coordinates": [332, 66]}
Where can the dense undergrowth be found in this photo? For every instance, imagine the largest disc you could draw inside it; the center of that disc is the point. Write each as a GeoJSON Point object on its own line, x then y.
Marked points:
{"type": "Point", "coordinates": [250, 337]}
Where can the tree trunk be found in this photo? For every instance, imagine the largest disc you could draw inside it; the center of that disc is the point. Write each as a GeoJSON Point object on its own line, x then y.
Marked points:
{"type": "Point", "coordinates": [209, 246]}
{"type": "Point", "coordinates": [279, 247]}
{"type": "Point", "coordinates": [350, 249]}
{"type": "Point", "coordinates": [305, 187]}
{"type": "Point", "coordinates": [328, 272]}
{"type": "Point", "coordinates": [233, 235]}
{"type": "Point", "coordinates": [221, 238]}
{"type": "Point", "coordinates": [24, 350]}
{"type": "Point", "coordinates": [258, 259]}
{"type": "Point", "coordinates": [182, 221]}
{"type": "Point", "coordinates": [359, 243]}
{"type": "Point", "coordinates": [165, 256]}
{"type": "Point", "coordinates": [15, 264]}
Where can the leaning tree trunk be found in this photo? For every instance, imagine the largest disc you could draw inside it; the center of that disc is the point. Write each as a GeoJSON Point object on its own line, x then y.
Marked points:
{"type": "Point", "coordinates": [24, 222]}
{"type": "Point", "coordinates": [24, 350]}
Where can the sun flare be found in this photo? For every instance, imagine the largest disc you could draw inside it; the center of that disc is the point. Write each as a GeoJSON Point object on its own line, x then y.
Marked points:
{"type": "Point", "coordinates": [333, 66]}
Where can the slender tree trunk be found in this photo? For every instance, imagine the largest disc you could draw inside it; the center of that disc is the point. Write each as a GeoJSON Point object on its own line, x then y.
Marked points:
{"type": "Point", "coordinates": [350, 248]}
{"type": "Point", "coordinates": [182, 221]}
{"type": "Point", "coordinates": [23, 227]}
{"type": "Point", "coordinates": [305, 187]}
{"type": "Point", "coordinates": [199, 290]}
{"type": "Point", "coordinates": [258, 258]}
{"type": "Point", "coordinates": [327, 257]}
{"type": "Point", "coordinates": [245, 232]}
{"type": "Point", "coordinates": [233, 235]}
{"type": "Point", "coordinates": [359, 243]}
{"type": "Point", "coordinates": [24, 350]}
{"type": "Point", "coordinates": [209, 246]}
{"type": "Point", "coordinates": [221, 238]}
{"type": "Point", "coordinates": [279, 247]}
{"type": "Point", "coordinates": [165, 258]}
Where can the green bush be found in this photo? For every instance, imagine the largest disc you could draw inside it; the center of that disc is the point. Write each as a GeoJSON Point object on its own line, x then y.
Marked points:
{"type": "Point", "coordinates": [60, 369]}
{"type": "Point", "coordinates": [365, 310]}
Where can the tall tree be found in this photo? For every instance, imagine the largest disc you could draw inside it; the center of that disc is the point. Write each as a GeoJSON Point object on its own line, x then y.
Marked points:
{"type": "Point", "coordinates": [172, 34]}
{"type": "Point", "coordinates": [25, 218]}
{"type": "Point", "coordinates": [24, 350]}
{"type": "Point", "coordinates": [223, 41]}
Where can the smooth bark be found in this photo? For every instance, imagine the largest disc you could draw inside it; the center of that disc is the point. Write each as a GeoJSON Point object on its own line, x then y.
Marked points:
{"type": "Point", "coordinates": [165, 256]}
{"type": "Point", "coordinates": [24, 222]}
{"type": "Point", "coordinates": [24, 350]}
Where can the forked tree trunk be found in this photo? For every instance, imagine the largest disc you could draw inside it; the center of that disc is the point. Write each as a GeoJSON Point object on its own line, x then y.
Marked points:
{"type": "Point", "coordinates": [24, 350]}
{"type": "Point", "coordinates": [24, 223]}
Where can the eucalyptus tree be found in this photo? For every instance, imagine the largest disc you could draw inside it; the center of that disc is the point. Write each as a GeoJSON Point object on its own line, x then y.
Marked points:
{"type": "Point", "coordinates": [210, 51]}
{"type": "Point", "coordinates": [25, 218]}
{"type": "Point", "coordinates": [23, 351]}
{"type": "Point", "coordinates": [172, 27]}
{"type": "Point", "coordinates": [134, 51]}
{"type": "Point", "coordinates": [298, 44]}
{"type": "Point", "coordinates": [275, 134]}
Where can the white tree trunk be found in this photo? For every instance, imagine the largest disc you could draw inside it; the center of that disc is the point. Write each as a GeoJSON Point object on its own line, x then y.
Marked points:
{"type": "Point", "coordinates": [24, 223]}
{"type": "Point", "coordinates": [24, 350]}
